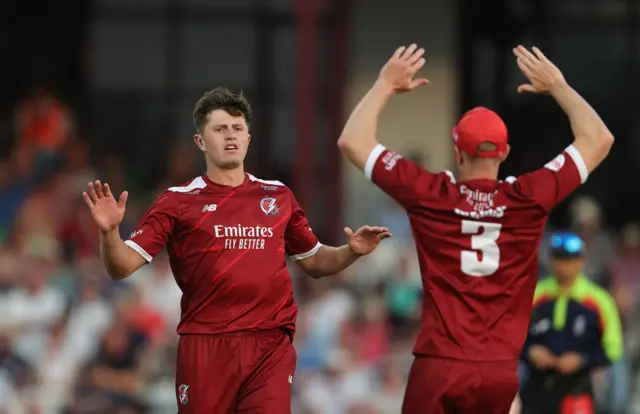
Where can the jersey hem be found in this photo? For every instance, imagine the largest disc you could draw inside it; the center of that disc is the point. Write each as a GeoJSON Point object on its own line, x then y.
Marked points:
{"type": "Point", "coordinates": [142, 252]}
{"type": "Point", "coordinates": [306, 255]}
{"type": "Point", "coordinates": [424, 354]}
{"type": "Point", "coordinates": [287, 327]}
{"type": "Point", "coordinates": [371, 160]}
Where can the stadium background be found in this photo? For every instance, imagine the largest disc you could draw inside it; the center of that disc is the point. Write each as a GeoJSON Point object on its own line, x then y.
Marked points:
{"type": "Point", "coordinates": [117, 81]}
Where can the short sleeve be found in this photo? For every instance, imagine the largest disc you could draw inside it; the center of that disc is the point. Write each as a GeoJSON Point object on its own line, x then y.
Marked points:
{"type": "Point", "coordinates": [299, 240]}
{"type": "Point", "coordinates": [549, 185]}
{"type": "Point", "coordinates": [155, 228]}
{"type": "Point", "coordinates": [403, 180]}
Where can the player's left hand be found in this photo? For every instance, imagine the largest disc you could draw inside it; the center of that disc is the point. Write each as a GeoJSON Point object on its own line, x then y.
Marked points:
{"type": "Point", "coordinates": [366, 238]}
{"type": "Point", "coordinates": [569, 363]}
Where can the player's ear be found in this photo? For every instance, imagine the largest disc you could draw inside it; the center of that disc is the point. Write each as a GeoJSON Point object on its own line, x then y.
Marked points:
{"type": "Point", "coordinates": [248, 138]}
{"type": "Point", "coordinates": [197, 138]}
{"type": "Point", "coordinates": [506, 154]}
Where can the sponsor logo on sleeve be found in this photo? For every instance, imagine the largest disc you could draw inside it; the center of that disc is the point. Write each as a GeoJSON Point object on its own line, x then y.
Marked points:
{"type": "Point", "coordinates": [390, 159]}
{"type": "Point", "coordinates": [556, 163]}
{"type": "Point", "coordinates": [135, 233]}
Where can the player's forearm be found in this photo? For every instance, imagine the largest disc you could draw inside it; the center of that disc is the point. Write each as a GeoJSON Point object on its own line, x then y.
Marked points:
{"type": "Point", "coordinates": [119, 260]}
{"type": "Point", "coordinates": [592, 137]}
{"type": "Point", "coordinates": [329, 261]}
{"type": "Point", "coordinates": [358, 137]}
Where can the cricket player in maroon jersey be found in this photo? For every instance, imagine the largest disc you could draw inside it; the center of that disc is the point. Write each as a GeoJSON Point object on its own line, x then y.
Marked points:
{"type": "Point", "coordinates": [477, 237]}
{"type": "Point", "coordinates": [227, 234]}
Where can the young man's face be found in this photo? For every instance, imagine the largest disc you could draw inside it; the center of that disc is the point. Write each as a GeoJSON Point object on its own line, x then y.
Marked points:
{"type": "Point", "coordinates": [565, 270]}
{"type": "Point", "coordinates": [225, 139]}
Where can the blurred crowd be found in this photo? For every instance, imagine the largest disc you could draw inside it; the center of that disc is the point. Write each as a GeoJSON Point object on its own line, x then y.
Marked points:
{"type": "Point", "coordinates": [73, 341]}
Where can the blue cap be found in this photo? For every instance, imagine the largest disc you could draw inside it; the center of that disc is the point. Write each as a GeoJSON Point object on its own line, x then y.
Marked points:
{"type": "Point", "coordinates": [566, 245]}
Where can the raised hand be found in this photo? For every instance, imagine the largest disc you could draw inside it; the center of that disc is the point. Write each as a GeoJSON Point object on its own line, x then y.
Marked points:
{"type": "Point", "coordinates": [400, 70]}
{"type": "Point", "coordinates": [107, 212]}
{"type": "Point", "coordinates": [543, 75]}
{"type": "Point", "coordinates": [366, 238]}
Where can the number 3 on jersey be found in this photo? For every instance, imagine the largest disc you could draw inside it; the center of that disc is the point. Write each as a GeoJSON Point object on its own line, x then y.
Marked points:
{"type": "Point", "coordinates": [484, 259]}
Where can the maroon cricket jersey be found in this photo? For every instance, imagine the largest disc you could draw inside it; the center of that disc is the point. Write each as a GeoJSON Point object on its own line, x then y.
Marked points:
{"type": "Point", "coordinates": [227, 249]}
{"type": "Point", "coordinates": [477, 243]}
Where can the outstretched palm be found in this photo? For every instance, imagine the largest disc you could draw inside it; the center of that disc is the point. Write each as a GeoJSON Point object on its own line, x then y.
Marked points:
{"type": "Point", "coordinates": [400, 70]}
{"type": "Point", "coordinates": [107, 212]}
{"type": "Point", "coordinates": [542, 74]}
{"type": "Point", "coordinates": [366, 238]}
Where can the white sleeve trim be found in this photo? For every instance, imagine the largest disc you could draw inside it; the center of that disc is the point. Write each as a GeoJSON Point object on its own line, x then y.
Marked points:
{"type": "Point", "coordinates": [579, 161]}
{"type": "Point", "coordinates": [308, 254]}
{"type": "Point", "coordinates": [142, 252]}
{"type": "Point", "coordinates": [452, 177]}
{"type": "Point", "coordinates": [371, 161]}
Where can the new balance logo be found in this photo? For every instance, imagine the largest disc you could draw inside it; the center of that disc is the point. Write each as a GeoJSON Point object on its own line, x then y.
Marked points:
{"type": "Point", "coordinates": [290, 379]}
{"type": "Point", "coordinates": [209, 207]}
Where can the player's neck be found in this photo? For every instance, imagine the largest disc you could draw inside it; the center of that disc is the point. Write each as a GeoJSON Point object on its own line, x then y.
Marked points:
{"type": "Point", "coordinates": [231, 178]}
{"type": "Point", "coordinates": [478, 175]}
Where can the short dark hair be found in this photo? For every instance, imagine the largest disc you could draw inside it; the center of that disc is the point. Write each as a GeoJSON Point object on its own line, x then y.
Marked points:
{"type": "Point", "coordinates": [220, 98]}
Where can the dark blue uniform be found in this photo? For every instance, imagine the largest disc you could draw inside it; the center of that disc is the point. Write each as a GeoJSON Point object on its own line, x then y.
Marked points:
{"type": "Point", "coordinates": [582, 319]}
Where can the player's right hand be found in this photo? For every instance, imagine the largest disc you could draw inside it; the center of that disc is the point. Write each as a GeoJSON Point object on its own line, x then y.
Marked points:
{"type": "Point", "coordinates": [399, 72]}
{"type": "Point", "coordinates": [107, 212]}
{"type": "Point", "coordinates": [541, 357]}
{"type": "Point", "coordinates": [543, 75]}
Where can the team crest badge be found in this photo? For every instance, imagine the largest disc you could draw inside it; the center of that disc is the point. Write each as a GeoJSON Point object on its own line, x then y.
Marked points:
{"type": "Point", "coordinates": [269, 206]}
{"type": "Point", "coordinates": [183, 394]}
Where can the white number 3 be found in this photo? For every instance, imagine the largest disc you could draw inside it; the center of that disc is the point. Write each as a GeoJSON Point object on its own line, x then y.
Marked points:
{"type": "Point", "coordinates": [484, 243]}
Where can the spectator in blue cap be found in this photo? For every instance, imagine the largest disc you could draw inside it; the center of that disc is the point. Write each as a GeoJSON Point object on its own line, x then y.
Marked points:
{"type": "Point", "coordinates": [575, 327]}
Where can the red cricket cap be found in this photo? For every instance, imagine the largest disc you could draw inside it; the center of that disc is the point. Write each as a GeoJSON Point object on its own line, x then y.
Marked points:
{"type": "Point", "coordinates": [477, 126]}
